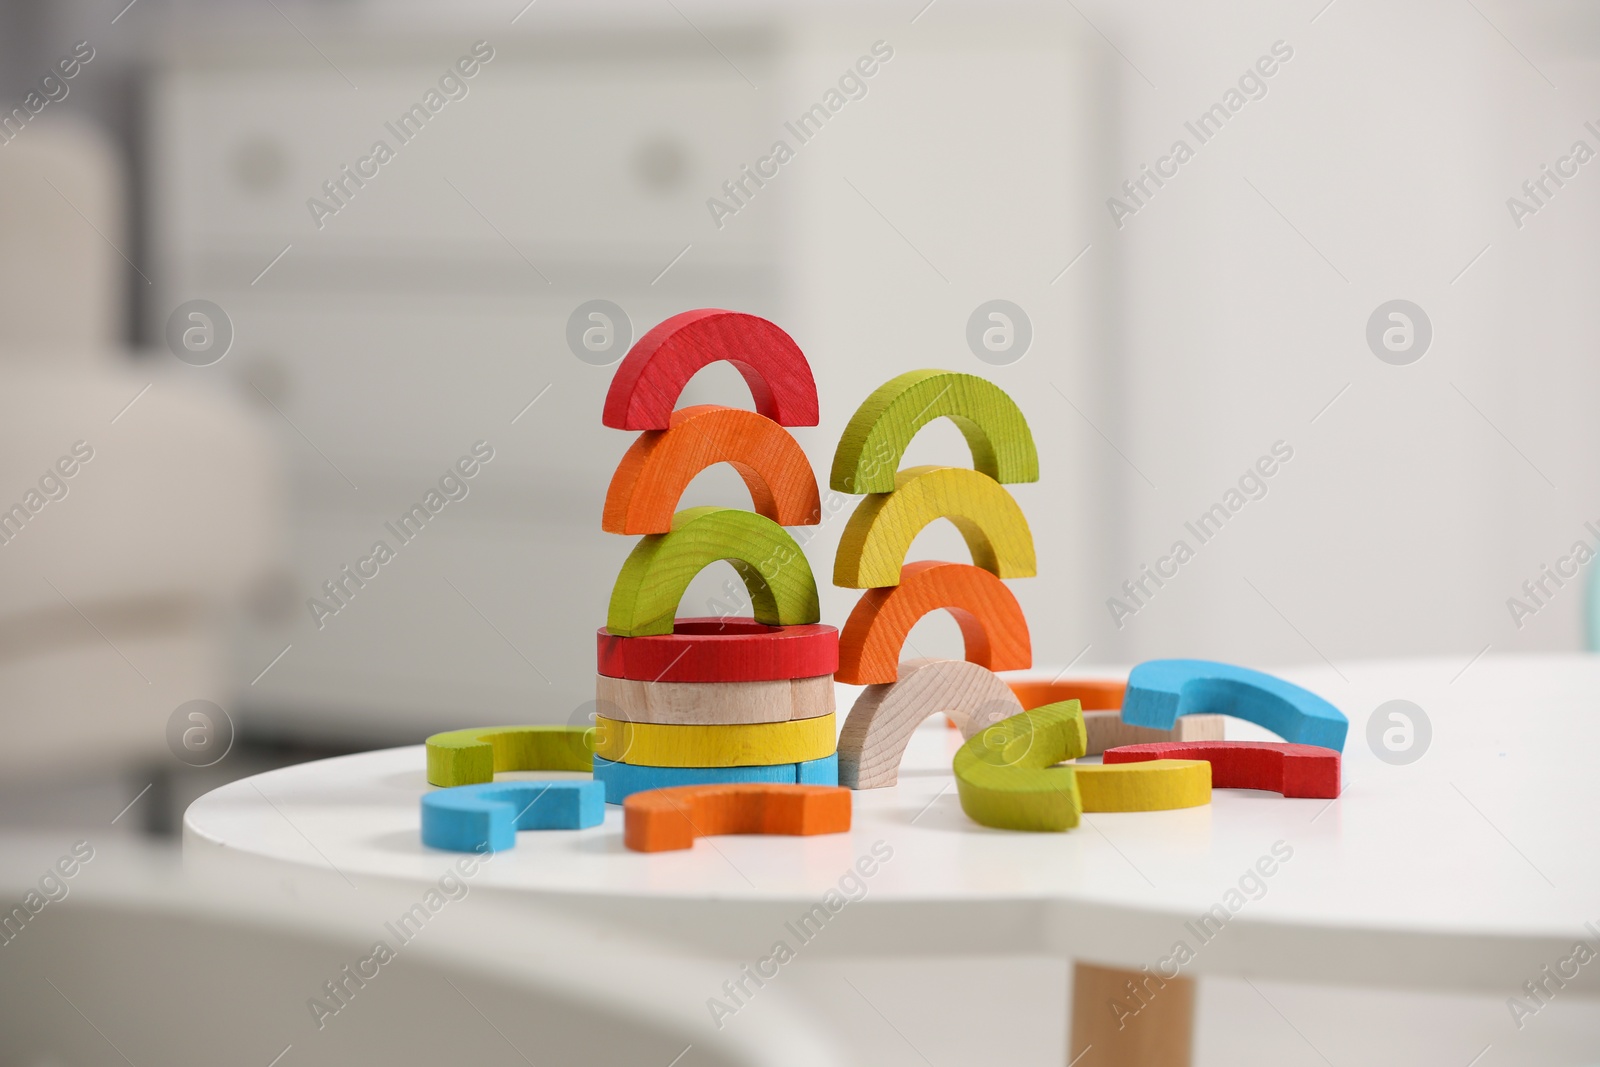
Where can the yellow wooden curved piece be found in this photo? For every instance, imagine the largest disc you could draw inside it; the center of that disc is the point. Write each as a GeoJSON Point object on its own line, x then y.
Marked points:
{"type": "Point", "coordinates": [739, 745]}
{"type": "Point", "coordinates": [881, 529]}
{"type": "Point", "coordinates": [1166, 784]}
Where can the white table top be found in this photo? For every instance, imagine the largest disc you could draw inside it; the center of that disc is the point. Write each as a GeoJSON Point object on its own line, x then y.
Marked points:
{"type": "Point", "coordinates": [1470, 868]}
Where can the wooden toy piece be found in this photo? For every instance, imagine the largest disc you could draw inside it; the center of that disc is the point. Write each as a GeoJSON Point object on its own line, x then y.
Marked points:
{"type": "Point", "coordinates": [1102, 701]}
{"type": "Point", "coordinates": [721, 650]}
{"type": "Point", "coordinates": [715, 703]}
{"type": "Point", "coordinates": [884, 716]}
{"type": "Point", "coordinates": [1007, 776]}
{"type": "Point", "coordinates": [652, 375]}
{"type": "Point", "coordinates": [1293, 770]}
{"type": "Point", "coordinates": [876, 437]}
{"type": "Point", "coordinates": [742, 745]}
{"type": "Point", "coordinates": [1159, 785]}
{"type": "Point", "coordinates": [470, 818]}
{"type": "Point", "coordinates": [1123, 1018]}
{"type": "Point", "coordinates": [1161, 690]}
{"type": "Point", "coordinates": [659, 466]}
{"type": "Point", "coordinates": [881, 529]}
{"type": "Point", "coordinates": [622, 780]}
{"type": "Point", "coordinates": [1094, 694]}
{"type": "Point", "coordinates": [991, 620]}
{"type": "Point", "coordinates": [1108, 731]}
{"type": "Point", "coordinates": [661, 820]}
{"type": "Point", "coordinates": [468, 757]}
{"type": "Point", "coordinates": [660, 567]}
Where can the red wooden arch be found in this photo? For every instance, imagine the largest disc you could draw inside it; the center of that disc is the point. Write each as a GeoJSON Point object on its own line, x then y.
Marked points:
{"type": "Point", "coordinates": [651, 377]}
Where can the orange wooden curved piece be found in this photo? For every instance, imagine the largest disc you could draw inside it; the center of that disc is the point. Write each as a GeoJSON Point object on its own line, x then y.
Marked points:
{"type": "Point", "coordinates": [651, 377]}
{"type": "Point", "coordinates": [655, 471]}
{"type": "Point", "coordinates": [1095, 694]}
{"type": "Point", "coordinates": [660, 820]}
{"type": "Point", "coordinates": [991, 620]}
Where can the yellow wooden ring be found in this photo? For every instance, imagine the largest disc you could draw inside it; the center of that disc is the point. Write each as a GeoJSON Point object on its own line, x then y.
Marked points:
{"type": "Point", "coordinates": [739, 745]}
{"type": "Point", "coordinates": [1166, 784]}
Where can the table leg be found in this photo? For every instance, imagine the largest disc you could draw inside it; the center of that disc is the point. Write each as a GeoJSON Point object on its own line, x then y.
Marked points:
{"type": "Point", "coordinates": [1130, 1018]}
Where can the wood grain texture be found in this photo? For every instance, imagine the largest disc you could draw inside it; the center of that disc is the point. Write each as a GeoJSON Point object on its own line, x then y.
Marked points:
{"type": "Point", "coordinates": [720, 650]}
{"type": "Point", "coordinates": [715, 703]}
{"type": "Point", "coordinates": [470, 818]}
{"type": "Point", "coordinates": [1007, 775]}
{"type": "Point", "coordinates": [1107, 731]}
{"type": "Point", "coordinates": [1130, 1018]}
{"type": "Point", "coordinates": [991, 621]}
{"type": "Point", "coordinates": [467, 757]}
{"type": "Point", "coordinates": [1102, 700]}
{"type": "Point", "coordinates": [622, 780]}
{"type": "Point", "coordinates": [881, 529]}
{"type": "Point", "coordinates": [1160, 691]}
{"type": "Point", "coordinates": [1158, 785]}
{"type": "Point", "coordinates": [659, 466]}
{"type": "Point", "coordinates": [748, 745]}
{"type": "Point", "coordinates": [661, 820]}
{"type": "Point", "coordinates": [881, 722]}
{"type": "Point", "coordinates": [651, 377]}
{"type": "Point", "coordinates": [658, 570]}
{"type": "Point", "coordinates": [875, 439]}
{"type": "Point", "coordinates": [1293, 770]}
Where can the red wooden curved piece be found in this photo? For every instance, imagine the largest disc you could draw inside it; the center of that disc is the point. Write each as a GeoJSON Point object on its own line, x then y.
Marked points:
{"type": "Point", "coordinates": [721, 650]}
{"type": "Point", "coordinates": [1293, 770]}
{"type": "Point", "coordinates": [652, 375]}
{"type": "Point", "coordinates": [991, 621]}
{"type": "Point", "coordinates": [660, 820]}
{"type": "Point", "coordinates": [655, 471]}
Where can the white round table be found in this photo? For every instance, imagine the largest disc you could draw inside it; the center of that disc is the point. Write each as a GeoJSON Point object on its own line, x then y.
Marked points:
{"type": "Point", "coordinates": [1468, 869]}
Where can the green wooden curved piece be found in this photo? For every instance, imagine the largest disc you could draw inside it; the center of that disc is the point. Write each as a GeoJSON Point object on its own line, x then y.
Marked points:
{"type": "Point", "coordinates": [782, 590]}
{"type": "Point", "coordinates": [1007, 776]}
{"type": "Point", "coordinates": [467, 757]}
{"type": "Point", "coordinates": [875, 439]}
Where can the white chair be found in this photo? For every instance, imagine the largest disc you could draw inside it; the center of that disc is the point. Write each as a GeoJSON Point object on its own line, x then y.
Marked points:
{"type": "Point", "coordinates": [116, 582]}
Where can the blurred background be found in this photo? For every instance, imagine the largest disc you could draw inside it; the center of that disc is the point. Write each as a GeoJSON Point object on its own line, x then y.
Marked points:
{"type": "Point", "coordinates": [272, 338]}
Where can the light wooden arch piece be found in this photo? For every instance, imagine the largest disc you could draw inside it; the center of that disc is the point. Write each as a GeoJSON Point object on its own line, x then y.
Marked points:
{"type": "Point", "coordinates": [1102, 714]}
{"type": "Point", "coordinates": [991, 621]}
{"type": "Point", "coordinates": [739, 745]}
{"type": "Point", "coordinates": [883, 718]}
{"type": "Point", "coordinates": [661, 820]}
{"type": "Point", "coordinates": [468, 757]}
{"type": "Point", "coordinates": [652, 375]}
{"type": "Point", "coordinates": [658, 571]}
{"type": "Point", "coordinates": [875, 439]}
{"type": "Point", "coordinates": [659, 466]}
{"type": "Point", "coordinates": [882, 527]}
{"type": "Point", "coordinates": [1007, 776]}
{"type": "Point", "coordinates": [715, 703]}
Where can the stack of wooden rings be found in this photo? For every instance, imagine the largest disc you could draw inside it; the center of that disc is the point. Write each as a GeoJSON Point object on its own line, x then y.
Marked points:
{"type": "Point", "coordinates": [711, 701]}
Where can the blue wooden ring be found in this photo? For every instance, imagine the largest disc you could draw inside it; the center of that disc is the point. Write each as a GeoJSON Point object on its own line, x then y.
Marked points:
{"type": "Point", "coordinates": [469, 818]}
{"type": "Point", "coordinates": [623, 779]}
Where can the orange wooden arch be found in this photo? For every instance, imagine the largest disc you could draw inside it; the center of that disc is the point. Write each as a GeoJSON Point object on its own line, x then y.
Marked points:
{"type": "Point", "coordinates": [661, 820]}
{"type": "Point", "coordinates": [655, 471]}
{"type": "Point", "coordinates": [652, 375]}
{"type": "Point", "coordinates": [991, 621]}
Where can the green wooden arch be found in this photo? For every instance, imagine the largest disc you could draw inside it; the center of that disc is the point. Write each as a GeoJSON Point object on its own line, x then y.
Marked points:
{"type": "Point", "coordinates": [782, 589]}
{"type": "Point", "coordinates": [875, 440]}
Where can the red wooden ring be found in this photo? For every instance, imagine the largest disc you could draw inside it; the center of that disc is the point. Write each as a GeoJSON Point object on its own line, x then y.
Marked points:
{"type": "Point", "coordinates": [721, 650]}
{"type": "Point", "coordinates": [1293, 770]}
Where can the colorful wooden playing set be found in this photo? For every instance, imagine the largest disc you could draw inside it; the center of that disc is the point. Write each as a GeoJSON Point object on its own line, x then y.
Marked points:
{"type": "Point", "coordinates": [727, 725]}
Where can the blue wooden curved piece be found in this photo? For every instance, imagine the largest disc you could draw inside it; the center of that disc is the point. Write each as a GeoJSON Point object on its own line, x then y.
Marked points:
{"type": "Point", "coordinates": [1163, 689]}
{"type": "Point", "coordinates": [468, 818]}
{"type": "Point", "coordinates": [624, 779]}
